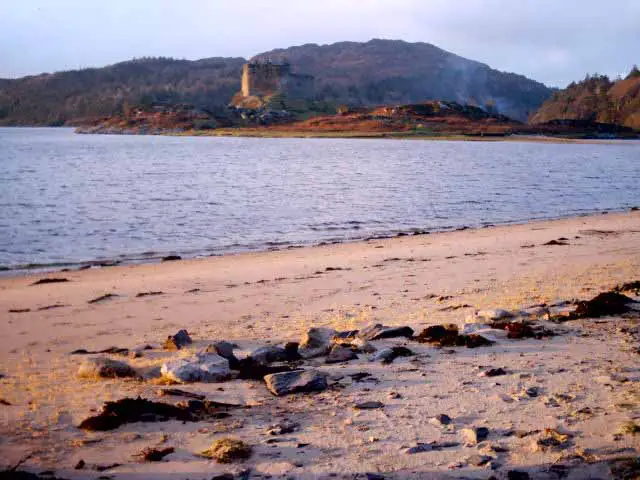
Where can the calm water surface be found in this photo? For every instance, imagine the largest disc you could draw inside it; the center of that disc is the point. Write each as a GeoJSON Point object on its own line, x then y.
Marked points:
{"type": "Point", "coordinates": [67, 199]}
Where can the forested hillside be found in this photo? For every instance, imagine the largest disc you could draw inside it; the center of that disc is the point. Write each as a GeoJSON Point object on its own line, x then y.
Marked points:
{"type": "Point", "coordinates": [378, 72]}
{"type": "Point", "coordinates": [73, 96]}
{"type": "Point", "coordinates": [596, 99]}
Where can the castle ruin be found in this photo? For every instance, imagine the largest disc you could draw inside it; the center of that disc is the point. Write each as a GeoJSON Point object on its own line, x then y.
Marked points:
{"type": "Point", "coordinates": [266, 78]}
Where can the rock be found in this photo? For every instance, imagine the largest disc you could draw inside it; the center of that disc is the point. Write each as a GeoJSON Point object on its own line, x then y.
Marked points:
{"type": "Point", "coordinates": [339, 354]}
{"type": "Point", "coordinates": [537, 311]}
{"type": "Point", "coordinates": [629, 287]}
{"type": "Point", "coordinates": [44, 281]}
{"type": "Point", "coordinates": [370, 476]}
{"type": "Point", "coordinates": [201, 367]}
{"type": "Point", "coordinates": [283, 428]}
{"type": "Point", "coordinates": [555, 242]}
{"type": "Point", "coordinates": [493, 372]}
{"type": "Point", "coordinates": [517, 330]}
{"type": "Point", "coordinates": [504, 397]}
{"type": "Point", "coordinates": [430, 447]}
{"type": "Point", "coordinates": [270, 354]}
{"type": "Point", "coordinates": [371, 405]}
{"type": "Point", "coordinates": [292, 351]}
{"type": "Point", "coordinates": [131, 410]}
{"type": "Point", "coordinates": [517, 475]}
{"type": "Point", "coordinates": [297, 381]}
{"type": "Point", "coordinates": [440, 419]}
{"type": "Point", "coordinates": [607, 303]}
{"type": "Point", "coordinates": [225, 350]}
{"type": "Point", "coordinates": [474, 341]}
{"type": "Point", "coordinates": [250, 369]}
{"type": "Point", "coordinates": [275, 353]}
{"type": "Point", "coordinates": [443, 335]}
{"type": "Point", "coordinates": [155, 454]}
{"type": "Point", "coordinates": [110, 350]}
{"type": "Point", "coordinates": [171, 258]}
{"type": "Point", "coordinates": [103, 367]}
{"type": "Point", "coordinates": [474, 435]}
{"type": "Point", "coordinates": [102, 298]}
{"type": "Point", "coordinates": [495, 314]}
{"type": "Point", "coordinates": [625, 468]}
{"type": "Point", "coordinates": [316, 342]}
{"type": "Point", "coordinates": [388, 355]}
{"type": "Point", "coordinates": [228, 450]}
{"type": "Point", "coordinates": [356, 344]}
{"type": "Point", "coordinates": [629, 428]}
{"type": "Point", "coordinates": [448, 336]}
{"type": "Point", "coordinates": [551, 440]}
{"type": "Point", "coordinates": [478, 460]}
{"type": "Point", "coordinates": [470, 328]}
{"type": "Point", "coordinates": [531, 392]}
{"type": "Point", "coordinates": [177, 341]}
{"type": "Point", "coordinates": [379, 331]}
{"type": "Point", "coordinates": [180, 393]}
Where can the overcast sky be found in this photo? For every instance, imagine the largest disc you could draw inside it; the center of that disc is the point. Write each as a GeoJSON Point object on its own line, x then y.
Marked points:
{"type": "Point", "coordinates": [552, 41]}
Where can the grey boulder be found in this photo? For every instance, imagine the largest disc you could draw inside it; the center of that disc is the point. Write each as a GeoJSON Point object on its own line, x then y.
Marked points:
{"type": "Point", "coordinates": [201, 367]}
{"type": "Point", "coordinates": [224, 349]}
{"type": "Point", "coordinates": [379, 332]}
{"type": "Point", "coordinates": [316, 342]}
{"type": "Point", "coordinates": [270, 354]}
{"type": "Point", "coordinates": [297, 381]}
{"type": "Point", "coordinates": [339, 354]}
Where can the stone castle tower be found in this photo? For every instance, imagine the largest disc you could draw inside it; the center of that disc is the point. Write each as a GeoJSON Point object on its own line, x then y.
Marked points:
{"type": "Point", "coordinates": [264, 78]}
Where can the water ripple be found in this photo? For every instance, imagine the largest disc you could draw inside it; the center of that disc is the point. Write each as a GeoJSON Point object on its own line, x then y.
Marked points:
{"type": "Point", "coordinates": [70, 199]}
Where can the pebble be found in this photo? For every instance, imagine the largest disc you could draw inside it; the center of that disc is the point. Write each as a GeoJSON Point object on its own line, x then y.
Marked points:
{"type": "Point", "coordinates": [103, 367]}
{"type": "Point", "coordinates": [478, 460]}
{"type": "Point", "coordinates": [474, 435]}
{"type": "Point", "coordinates": [177, 341]}
{"type": "Point", "coordinates": [441, 419]}
{"type": "Point", "coordinates": [371, 405]}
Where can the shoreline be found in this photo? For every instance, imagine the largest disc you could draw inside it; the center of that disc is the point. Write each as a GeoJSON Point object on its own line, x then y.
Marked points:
{"type": "Point", "coordinates": [158, 257]}
{"type": "Point", "coordinates": [250, 132]}
{"type": "Point", "coordinates": [255, 299]}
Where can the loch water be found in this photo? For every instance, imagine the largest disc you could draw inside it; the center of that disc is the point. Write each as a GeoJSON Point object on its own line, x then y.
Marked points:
{"type": "Point", "coordinates": [68, 199]}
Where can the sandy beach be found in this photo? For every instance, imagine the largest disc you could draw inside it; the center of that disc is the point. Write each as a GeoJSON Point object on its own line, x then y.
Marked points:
{"type": "Point", "coordinates": [582, 382]}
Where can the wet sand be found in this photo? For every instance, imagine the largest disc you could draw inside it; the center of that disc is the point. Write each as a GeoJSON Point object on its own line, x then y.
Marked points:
{"type": "Point", "coordinates": [256, 299]}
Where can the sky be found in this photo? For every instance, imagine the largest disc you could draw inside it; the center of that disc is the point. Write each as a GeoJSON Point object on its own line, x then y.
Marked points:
{"type": "Point", "coordinates": [552, 41]}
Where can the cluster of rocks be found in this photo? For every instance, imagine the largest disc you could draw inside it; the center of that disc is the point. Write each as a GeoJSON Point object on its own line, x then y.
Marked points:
{"type": "Point", "coordinates": [281, 366]}
{"type": "Point", "coordinates": [295, 367]}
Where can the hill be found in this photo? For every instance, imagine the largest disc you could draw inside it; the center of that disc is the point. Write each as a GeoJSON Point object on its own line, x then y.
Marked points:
{"type": "Point", "coordinates": [385, 72]}
{"type": "Point", "coordinates": [378, 72]}
{"type": "Point", "coordinates": [75, 96]}
{"type": "Point", "coordinates": [595, 99]}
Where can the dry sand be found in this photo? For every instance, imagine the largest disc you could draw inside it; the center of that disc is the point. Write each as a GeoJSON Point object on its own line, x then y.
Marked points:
{"type": "Point", "coordinates": [260, 298]}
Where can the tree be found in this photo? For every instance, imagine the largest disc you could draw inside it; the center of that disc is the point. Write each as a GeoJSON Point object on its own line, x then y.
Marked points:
{"type": "Point", "coordinates": [634, 73]}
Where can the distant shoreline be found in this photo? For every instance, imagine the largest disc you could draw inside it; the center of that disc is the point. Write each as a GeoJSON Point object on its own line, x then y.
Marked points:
{"type": "Point", "coordinates": [357, 135]}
